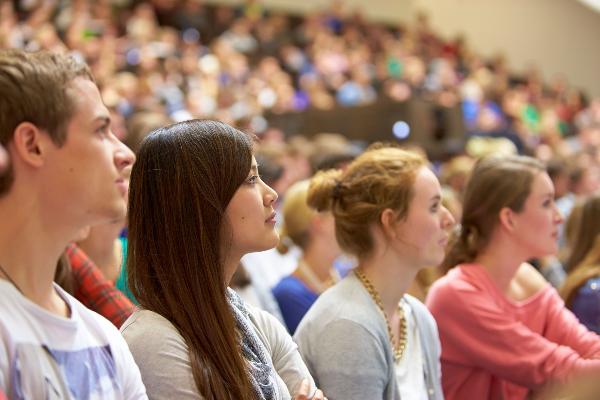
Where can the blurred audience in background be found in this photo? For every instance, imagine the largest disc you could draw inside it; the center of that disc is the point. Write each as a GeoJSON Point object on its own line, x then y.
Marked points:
{"type": "Point", "coordinates": [158, 62]}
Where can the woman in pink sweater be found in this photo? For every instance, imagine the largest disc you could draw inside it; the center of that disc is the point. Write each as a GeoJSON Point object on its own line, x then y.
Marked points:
{"type": "Point", "coordinates": [505, 332]}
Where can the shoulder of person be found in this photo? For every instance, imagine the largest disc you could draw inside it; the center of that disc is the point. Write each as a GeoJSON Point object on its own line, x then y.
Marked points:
{"type": "Point", "coordinates": [270, 330]}
{"type": "Point", "coordinates": [143, 319]}
{"type": "Point", "coordinates": [443, 291]}
{"type": "Point", "coordinates": [91, 319]}
{"type": "Point", "coordinates": [290, 286]}
{"type": "Point", "coordinates": [342, 334]}
{"type": "Point", "coordinates": [263, 320]}
{"type": "Point", "coordinates": [461, 277]}
{"type": "Point", "coordinates": [146, 329]}
{"type": "Point", "coordinates": [346, 301]}
{"type": "Point", "coordinates": [162, 355]}
{"type": "Point", "coordinates": [530, 279]}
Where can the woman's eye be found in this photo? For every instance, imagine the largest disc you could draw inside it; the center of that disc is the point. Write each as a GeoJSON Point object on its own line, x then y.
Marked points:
{"type": "Point", "coordinates": [434, 208]}
{"type": "Point", "coordinates": [252, 180]}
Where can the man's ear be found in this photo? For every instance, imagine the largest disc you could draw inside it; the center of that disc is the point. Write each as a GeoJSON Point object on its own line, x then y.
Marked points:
{"type": "Point", "coordinates": [506, 218]}
{"type": "Point", "coordinates": [29, 143]}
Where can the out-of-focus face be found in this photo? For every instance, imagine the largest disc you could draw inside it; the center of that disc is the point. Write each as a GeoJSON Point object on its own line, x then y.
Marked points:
{"type": "Point", "coordinates": [536, 226]}
{"type": "Point", "coordinates": [589, 182]}
{"type": "Point", "coordinates": [423, 234]}
{"type": "Point", "coordinates": [249, 224]}
{"type": "Point", "coordinates": [86, 179]}
{"type": "Point", "coordinates": [561, 185]}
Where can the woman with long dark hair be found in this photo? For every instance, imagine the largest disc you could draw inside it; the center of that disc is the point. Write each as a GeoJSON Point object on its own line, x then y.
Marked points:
{"type": "Point", "coordinates": [197, 205]}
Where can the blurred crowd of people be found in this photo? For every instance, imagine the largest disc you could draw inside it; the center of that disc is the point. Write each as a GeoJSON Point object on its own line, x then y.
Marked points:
{"type": "Point", "coordinates": [185, 59]}
{"type": "Point", "coordinates": [164, 61]}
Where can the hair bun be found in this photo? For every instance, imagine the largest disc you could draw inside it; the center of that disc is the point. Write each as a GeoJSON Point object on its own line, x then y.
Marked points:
{"type": "Point", "coordinates": [325, 187]}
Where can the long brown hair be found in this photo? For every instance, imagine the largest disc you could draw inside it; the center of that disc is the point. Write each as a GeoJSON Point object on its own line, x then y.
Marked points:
{"type": "Point", "coordinates": [495, 183]}
{"type": "Point", "coordinates": [583, 262]}
{"type": "Point", "coordinates": [184, 177]}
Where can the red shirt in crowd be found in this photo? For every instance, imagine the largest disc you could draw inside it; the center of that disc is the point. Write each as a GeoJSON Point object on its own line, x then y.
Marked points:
{"type": "Point", "coordinates": [95, 291]}
{"type": "Point", "coordinates": [495, 348]}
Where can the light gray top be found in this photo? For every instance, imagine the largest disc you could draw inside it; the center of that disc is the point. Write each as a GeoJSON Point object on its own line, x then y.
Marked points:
{"type": "Point", "coordinates": [344, 341]}
{"type": "Point", "coordinates": [162, 355]}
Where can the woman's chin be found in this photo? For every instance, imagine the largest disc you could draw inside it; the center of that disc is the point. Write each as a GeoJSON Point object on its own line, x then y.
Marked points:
{"type": "Point", "coordinates": [268, 244]}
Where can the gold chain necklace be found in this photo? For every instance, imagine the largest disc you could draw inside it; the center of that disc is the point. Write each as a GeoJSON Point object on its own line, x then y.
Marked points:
{"type": "Point", "coordinates": [397, 346]}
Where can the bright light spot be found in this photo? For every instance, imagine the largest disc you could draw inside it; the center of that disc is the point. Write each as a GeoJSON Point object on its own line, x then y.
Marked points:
{"type": "Point", "coordinates": [267, 97]}
{"type": "Point", "coordinates": [209, 64]}
{"type": "Point", "coordinates": [401, 130]}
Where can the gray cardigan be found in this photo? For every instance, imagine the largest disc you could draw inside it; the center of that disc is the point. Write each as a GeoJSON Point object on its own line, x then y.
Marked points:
{"type": "Point", "coordinates": [344, 342]}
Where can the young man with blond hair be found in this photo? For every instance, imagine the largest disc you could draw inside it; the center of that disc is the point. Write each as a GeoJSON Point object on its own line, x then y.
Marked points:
{"type": "Point", "coordinates": [65, 172]}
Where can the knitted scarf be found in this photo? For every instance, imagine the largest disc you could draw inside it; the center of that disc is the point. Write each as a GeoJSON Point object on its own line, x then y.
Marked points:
{"type": "Point", "coordinates": [262, 374]}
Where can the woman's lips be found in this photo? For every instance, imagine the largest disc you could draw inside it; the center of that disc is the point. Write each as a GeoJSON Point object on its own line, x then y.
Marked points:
{"type": "Point", "coordinates": [271, 219]}
{"type": "Point", "coordinates": [443, 241]}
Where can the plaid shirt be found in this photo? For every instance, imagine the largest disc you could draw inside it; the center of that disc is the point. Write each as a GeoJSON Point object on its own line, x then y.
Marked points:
{"type": "Point", "coordinates": [95, 291]}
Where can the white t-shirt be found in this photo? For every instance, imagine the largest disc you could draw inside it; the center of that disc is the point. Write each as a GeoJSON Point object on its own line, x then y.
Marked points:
{"type": "Point", "coordinates": [45, 356]}
{"type": "Point", "coordinates": [409, 369]}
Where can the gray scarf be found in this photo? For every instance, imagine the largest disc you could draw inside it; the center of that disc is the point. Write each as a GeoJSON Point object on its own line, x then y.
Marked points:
{"type": "Point", "coordinates": [262, 374]}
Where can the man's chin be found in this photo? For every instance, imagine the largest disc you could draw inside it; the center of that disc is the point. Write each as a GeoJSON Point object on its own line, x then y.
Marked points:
{"type": "Point", "coordinates": [115, 214]}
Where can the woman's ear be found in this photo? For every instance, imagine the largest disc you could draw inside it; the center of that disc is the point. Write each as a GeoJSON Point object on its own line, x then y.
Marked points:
{"type": "Point", "coordinates": [389, 221]}
{"type": "Point", "coordinates": [507, 219]}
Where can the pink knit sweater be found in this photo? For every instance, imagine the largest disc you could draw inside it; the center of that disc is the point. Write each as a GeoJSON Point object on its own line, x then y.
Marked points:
{"type": "Point", "coordinates": [495, 348]}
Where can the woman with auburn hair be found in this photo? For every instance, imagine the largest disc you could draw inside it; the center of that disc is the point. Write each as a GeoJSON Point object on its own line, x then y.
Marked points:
{"type": "Point", "coordinates": [314, 234]}
{"type": "Point", "coordinates": [581, 290]}
{"type": "Point", "coordinates": [504, 330]}
{"type": "Point", "coordinates": [365, 338]}
{"type": "Point", "coordinates": [196, 206]}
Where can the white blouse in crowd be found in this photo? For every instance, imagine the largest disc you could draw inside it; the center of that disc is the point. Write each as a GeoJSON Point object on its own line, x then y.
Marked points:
{"type": "Point", "coordinates": [410, 376]}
